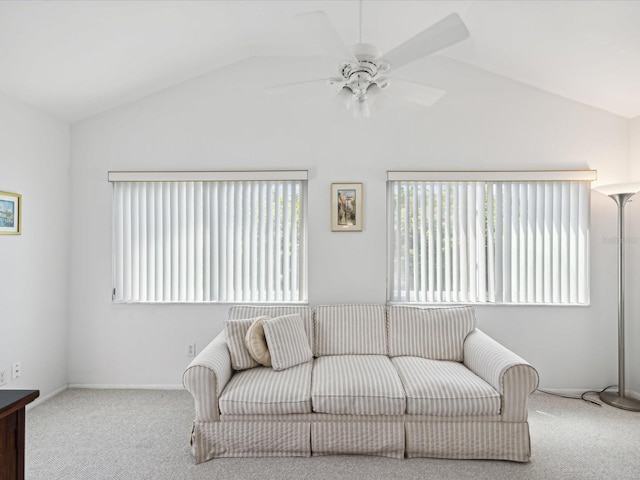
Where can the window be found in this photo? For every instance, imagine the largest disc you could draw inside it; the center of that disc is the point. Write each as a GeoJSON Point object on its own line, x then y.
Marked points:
{"type": "Point", "coordinates": [456, 239]}
{"type": "Point", "coordinates": [209, 237]}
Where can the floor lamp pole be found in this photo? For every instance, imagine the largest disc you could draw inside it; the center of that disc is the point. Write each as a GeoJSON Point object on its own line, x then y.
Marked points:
{"type": "Point", "coordinates": [620, 400]}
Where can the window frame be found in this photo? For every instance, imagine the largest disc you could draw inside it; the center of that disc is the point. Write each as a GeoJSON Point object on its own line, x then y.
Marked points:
{"type": "Point", "coordinates": [278, 177]}
{"type": "Point", "coordinates": [475, 177]}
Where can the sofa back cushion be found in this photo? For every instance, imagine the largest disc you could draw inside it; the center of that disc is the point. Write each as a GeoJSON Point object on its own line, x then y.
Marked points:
{"type": "Point", "coordinates": [350, 330]}
{"type": "Point", "coordinates": [433, 333]}
{"type": "Point", "coordinates": [247, 311]}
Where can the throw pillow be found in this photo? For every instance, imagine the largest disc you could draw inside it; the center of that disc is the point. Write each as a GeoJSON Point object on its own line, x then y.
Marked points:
{"type": "Point", "coordinates": [236, 332]}
{"type": "Point", "coordinates": [256, 342]}
{"type": "Point", "coordinates": [287, 341]}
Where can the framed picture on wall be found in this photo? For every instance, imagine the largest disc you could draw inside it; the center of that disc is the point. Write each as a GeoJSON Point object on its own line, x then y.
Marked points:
{"type": "Point", "coordinates": [346, 207]}
{"type": "Point", "coordinates": [10, 213]}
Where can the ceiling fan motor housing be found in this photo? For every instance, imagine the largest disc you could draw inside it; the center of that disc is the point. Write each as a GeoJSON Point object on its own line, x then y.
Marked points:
{"type": "Point", "coordinates": [361, 75]}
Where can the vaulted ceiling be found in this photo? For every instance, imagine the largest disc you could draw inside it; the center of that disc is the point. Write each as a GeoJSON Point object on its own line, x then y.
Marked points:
{"type": "Point", "coordinates": [75, 59]}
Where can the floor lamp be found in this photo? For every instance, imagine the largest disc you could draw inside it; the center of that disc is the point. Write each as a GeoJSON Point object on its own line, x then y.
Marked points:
{"type": "Point", "coordinates": [620, 193]}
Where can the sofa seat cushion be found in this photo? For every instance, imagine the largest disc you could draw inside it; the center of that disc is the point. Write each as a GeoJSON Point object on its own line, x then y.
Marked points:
{"type": "Point", "coordinates": [263, 390]}
{"type": "Point", "coordinates": [357, 385]}
{"type": "Point", "coordinates": [444, 388]}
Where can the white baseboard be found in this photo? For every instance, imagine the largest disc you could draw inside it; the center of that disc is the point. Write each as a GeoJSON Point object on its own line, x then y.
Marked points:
{"type": "Point", "coordinates": [101, 386]}
{"type": "Point", "coordinates": [118, 386]}
{"type": "Point", "coordinates": [576, 392]}
{"type": "Point", "coordinates": [40, 400]}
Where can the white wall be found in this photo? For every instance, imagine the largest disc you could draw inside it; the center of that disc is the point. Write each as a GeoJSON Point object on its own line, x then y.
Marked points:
{"type": "Point", "coordinates": [632, 316]}
{"type": "Point", "coordinates": [34, 266]}
{"type": "Point", "coordinates": [224, 121]}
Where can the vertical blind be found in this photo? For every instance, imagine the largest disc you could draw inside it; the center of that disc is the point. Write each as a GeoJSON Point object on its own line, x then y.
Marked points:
{"type": "Point", "coordinates": [489, 241]}
{"type": "Point", "coordinates": [209, 241]}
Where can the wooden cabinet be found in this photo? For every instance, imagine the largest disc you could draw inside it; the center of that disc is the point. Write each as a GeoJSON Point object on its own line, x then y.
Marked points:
{"type": "Point", "coordinates": [12, 419]}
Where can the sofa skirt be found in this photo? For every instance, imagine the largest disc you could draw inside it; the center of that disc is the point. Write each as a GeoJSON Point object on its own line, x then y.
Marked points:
{"type": "Point", "coordinates": [469, 440]}
{"type": "Point", "coordinates": [384, 439]}
{"type": "Point", "coordinates": [395, 437]}
{"type": "Point", "coordinates": [250, 439]}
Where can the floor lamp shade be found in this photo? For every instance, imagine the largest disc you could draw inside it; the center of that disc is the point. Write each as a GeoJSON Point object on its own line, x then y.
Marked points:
{"type": "Point", "coordinates": [620, 193]}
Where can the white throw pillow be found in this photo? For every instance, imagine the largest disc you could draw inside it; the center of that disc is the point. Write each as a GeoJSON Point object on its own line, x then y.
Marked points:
{"type": "Point", "coordinates": [256, 342]}
{"type": "Point", "coordinates": [287, 341]}
{"type": "Point", "coordinates": [236, 332]}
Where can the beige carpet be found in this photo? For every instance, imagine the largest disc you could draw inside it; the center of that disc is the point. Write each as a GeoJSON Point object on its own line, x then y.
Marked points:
{"type": "Point", "coordinates": [144, 434]}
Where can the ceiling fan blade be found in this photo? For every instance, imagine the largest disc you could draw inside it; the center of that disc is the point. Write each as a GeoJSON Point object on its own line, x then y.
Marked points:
{"type": "Point", "coordinates": [288, 87]}
{"type": "Point", "coordinates": [343, 97]}
{"type": "Point", "coordinates": [451, 29]}
{"type": "Point", "coordinates": [318, 24]}
{"type": "Point", "coordinates": [414, 92]}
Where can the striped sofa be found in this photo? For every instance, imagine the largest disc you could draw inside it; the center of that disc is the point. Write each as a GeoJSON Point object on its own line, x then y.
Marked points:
{"type": "Point", "coordinates": [394, 381]}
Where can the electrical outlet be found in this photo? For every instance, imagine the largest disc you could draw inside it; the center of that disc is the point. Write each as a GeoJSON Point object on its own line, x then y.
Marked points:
{"type": "Point", "coordinates": [191, 350]}
{"type": "Point", "coordinates": [3, 376]}
{"type": "Point", "coordinates": [16, 371]}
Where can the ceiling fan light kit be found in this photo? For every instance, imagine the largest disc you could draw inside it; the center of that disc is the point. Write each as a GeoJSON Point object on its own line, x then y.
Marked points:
{"type": "Point", "coordinates": [359, 76]}
{"type": "Point", "coordinates": [364, 72]}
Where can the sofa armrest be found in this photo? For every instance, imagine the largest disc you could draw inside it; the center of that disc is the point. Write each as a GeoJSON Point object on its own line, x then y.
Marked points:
{"type": "Point", "coordinates": [206, 376]}
{"type": "Point", "coordinates": [509, 374]}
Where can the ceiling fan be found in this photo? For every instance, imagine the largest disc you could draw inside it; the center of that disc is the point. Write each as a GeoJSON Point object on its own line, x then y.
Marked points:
{"type": "Point", "coordinates": [365, 73]}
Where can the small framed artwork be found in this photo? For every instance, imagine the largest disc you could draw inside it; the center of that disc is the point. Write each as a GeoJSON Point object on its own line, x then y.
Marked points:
{"type": "Point", "coordinates": [10, 213]}
{"type": "Point", "coordinates": [346, 207]}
